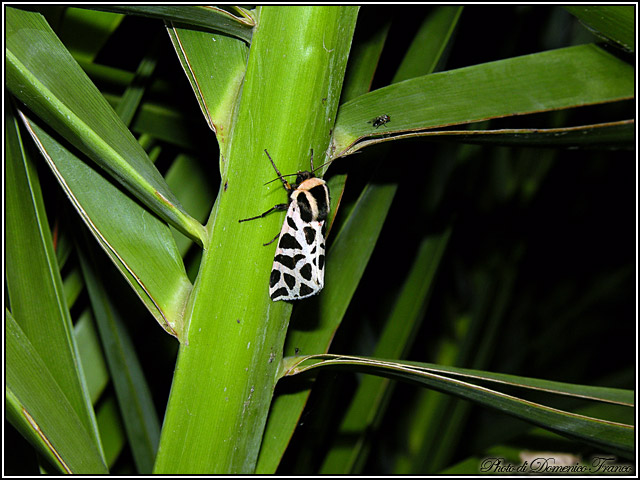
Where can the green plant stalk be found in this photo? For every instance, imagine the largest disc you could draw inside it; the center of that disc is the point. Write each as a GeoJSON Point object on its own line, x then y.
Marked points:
{"type": "Point", "coordinates": [226, 369]}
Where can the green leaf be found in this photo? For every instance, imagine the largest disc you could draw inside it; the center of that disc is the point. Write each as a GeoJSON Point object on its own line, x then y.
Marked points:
{"type": "Point", "coordinates": [73, 286]}
{"type": "Point", "coordinates": [41, 411]}
{"type": "Point", "coordinates": [563, 78]}
{"type": "Point", "coordinates": [85, 32]}
{"type": "Point", "coordinates": [132, 97]}
{"type": "Point", "coordinates": [44, 76]}
{"type": "Point", "coordinates": [235, 21]}
{"type": "Point", "coordinates": [365, 53]}
{"type": "Point", "coordinates": [94, 366]}
{"type": "Point", "coordinates": [32, 267]}
{"type": "Point", "coordinates": [217, 85]}
{"type": "Point", "coordinates": [164, 123]}
{"type": "Point", "coordinates": [149, 260]}
{"type": "Point", "coordinates": [612, 436]}
{"type": "Point", "coordinates": [427, 50]}
{"type": "Point", "coordinates": [189, 180]}
{"type": "Point", "coordinates": [614, 23]}
{"type": "Point", "coordinates": [111, 429]}
{"type": "Point", "coordinates": [136, 404]}
{"type": "Point", "coordinates": [395, 341]}
{"type": "Point", "coordinates": [602, 135]}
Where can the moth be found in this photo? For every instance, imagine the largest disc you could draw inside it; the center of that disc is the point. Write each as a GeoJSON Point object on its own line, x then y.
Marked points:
{"type": "Point", "coordinates": [380, 120]}
{"type": "Point", "coordinates": [298, 265]}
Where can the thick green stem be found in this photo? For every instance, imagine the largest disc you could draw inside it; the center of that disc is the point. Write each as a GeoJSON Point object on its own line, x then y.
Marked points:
{"type": "Point", "coordinates": [226, 370]}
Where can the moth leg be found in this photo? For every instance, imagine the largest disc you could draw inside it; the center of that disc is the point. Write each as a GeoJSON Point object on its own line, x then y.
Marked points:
{"type": "Point", "coordinates": [280, 206]}
{"type": "Point", "coordinates": [269, 243]}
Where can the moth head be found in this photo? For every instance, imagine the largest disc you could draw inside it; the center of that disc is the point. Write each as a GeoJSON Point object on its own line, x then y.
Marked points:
{"type": "Point", "coordinates": [302, 176]}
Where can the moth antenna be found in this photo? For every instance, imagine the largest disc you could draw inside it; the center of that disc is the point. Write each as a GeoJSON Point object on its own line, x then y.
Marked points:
{"type": "Point", "coordinates": [325, 163]}
{"type": "Point", "coordinates": [273, 163]}
{"type": "Point", "coordinates": [279, 178]}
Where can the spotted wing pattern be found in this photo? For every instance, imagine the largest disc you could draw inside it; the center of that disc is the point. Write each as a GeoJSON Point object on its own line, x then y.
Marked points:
{"type": "Point", "coordinates": [298, 266]}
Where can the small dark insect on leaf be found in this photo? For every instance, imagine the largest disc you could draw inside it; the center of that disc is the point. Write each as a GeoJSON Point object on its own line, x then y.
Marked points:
{"type": "Point", "coordinates": [381, 120]}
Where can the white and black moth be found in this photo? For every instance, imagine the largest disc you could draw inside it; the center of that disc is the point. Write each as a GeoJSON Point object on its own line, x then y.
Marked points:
{"type": "Point", "coordinates": [298, 266]}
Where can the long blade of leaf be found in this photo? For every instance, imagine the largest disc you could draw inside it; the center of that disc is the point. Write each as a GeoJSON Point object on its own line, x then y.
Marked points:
{"type": "Point", "coordinates": [217, 85]}
{"type": "Point", "coordinates": [563, 78]}
{"type": "Point", "coordinates": [238, 23]}
{"type": "Point", "coordinates": [395, 341]}
{"type": "Point", "coordinates": [612, 436]}
{"type": "Point", "coordinates": [111, 429]}
{"type": "Point", "coordinates": [132, 96]}
{"type": "Point", "coordinates": [94, 365]}
{"type": "Point", "coordinates": [41, 411]}
{"type": "Point", "coordinates": [617, 135]}
{"type": "Point", "coordinates": [365, 53]}
{"type": "Point", "coordinates": [134, 397]}
{"type": "Point", "coordinates": [98, 27]}
{"type": "Point", "coordinates": [32, 269]}
{"type": "Point", "coordinates": [191, 182]}
{"type": "Point", "coordinates": [614, 23]}
{"type": "Point", "coordinates": [139, 243]}
{"type": "Point", "coordinates": [45, 77]}
{"type": "Point", "coordinates": [427, 50]}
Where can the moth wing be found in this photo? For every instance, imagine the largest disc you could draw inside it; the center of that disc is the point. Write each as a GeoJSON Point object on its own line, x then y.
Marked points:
{"type": "Point", "coordinates": [298, 265]}
{"type": "Point", "coordinates": [314, 275]}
